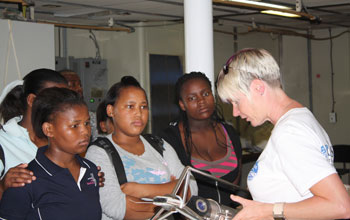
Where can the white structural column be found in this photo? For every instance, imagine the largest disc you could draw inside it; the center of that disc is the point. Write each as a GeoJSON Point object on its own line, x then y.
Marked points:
{"type": "Point", "coordinates": [199, 49]}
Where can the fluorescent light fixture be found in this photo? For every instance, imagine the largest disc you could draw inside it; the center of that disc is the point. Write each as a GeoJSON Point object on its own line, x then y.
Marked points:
{"type": "Point", "coordinates": [280, 13]}
{"type": "Point", "coordinates": [269, 5]}
{"type": "Point", "coordinates": [267, 8]}
{"type": "Point", "coordinates": [256, 3]}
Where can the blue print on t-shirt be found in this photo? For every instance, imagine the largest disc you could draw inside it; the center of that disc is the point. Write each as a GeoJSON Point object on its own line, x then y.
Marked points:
{"type": "Point", "coordinates": [146, 176]}
{"type": "Point", "coordinates": [253, 171]}
{"type": "Point", "coordinates": [328, 153]}
{"type": "Point", "coordinates": [128, 162]}
{"type": "Point", "coordinates": [142, 175]}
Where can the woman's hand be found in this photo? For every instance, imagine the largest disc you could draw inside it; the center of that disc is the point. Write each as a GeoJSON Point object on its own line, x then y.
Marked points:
{"type": "Point", "coordinates": [101, 177]}
{"type": "Point", "coordinates": [253, 210]}
{"type": "Point", "coordinates": [16, 176]}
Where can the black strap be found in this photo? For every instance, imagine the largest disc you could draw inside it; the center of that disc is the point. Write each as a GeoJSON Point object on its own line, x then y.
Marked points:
{"type": "Point", "coordinates": [113, 156]}
{"type": "Point", "coordinates": [2, 157]}
{"type": "Point", "coordinates": [156, 142]}
{"type": "Point", "coordinates": [103, 142]}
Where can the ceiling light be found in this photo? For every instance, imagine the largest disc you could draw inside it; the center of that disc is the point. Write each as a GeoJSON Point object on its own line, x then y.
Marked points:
{"type": "Point", "coordinates": [256, 3]}
{"type": "Point", "coordinates": [280, 13]}
{"type": "Point", "coordinates": [267, 8]}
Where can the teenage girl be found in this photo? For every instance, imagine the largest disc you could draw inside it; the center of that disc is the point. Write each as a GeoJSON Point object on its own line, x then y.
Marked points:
{"type": "Point", "coordinates": [148, 173]}
{"type": "Point", "coordinates": [74, 83]}
{"type": "Point", "coordinates": [202, 139]}
{"type": "Point", "coordinates": [17, 137]}
{"type": "Point", "coordinates": [66, 185]}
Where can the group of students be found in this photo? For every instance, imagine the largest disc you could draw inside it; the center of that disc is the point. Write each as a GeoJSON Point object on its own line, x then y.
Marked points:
{"type": "Point", "coordinates": [54, 126]}
{"type": "Point", "coordinates": [48, 125]}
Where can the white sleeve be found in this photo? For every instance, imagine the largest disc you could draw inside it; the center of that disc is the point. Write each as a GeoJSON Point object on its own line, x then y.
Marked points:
{"type": "Point", "coordinates": [111, 197]}
{"type": "Point", "coordinates": [176, 167]}
{"type": "Point", "coordinates": [301, 157]}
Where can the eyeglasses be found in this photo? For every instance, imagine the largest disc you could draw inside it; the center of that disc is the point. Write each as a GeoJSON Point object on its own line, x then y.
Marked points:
{"type": "Point", "coordinates": [226, 66]}
{"type": "Point", "coordinates": [224, 70]}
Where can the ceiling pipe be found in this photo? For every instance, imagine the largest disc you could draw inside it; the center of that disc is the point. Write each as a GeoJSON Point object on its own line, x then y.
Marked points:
{"type": "Point", "coordinates": [267, 30]}
{"type": "Point", "coordinates": [23, 2]}
{"type": "Point", "coordinates": [87, 27]}
{"type": "Point", "coordinates": [116, 10]}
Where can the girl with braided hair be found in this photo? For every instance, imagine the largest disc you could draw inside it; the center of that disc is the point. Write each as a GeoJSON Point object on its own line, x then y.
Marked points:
{"type": "Point", "coordinates": [202, 139]}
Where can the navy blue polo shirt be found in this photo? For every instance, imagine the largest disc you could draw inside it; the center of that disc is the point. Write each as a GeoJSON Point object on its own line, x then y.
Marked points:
{"type": "Point", "coordinates": [54, 195]}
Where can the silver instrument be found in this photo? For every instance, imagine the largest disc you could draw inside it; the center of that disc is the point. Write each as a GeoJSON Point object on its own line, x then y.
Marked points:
{"type": "Point", "coordinates": [196, 208]}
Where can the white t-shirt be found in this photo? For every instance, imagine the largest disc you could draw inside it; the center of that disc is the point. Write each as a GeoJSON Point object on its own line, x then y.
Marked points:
{"type": "Point", "coordinates": [298, 155]}
{"type": "Point", "coordinates": [16, 144]}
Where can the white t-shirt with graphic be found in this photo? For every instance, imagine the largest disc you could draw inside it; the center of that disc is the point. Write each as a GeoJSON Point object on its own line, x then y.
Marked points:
{"type": "Point", "coordinates": [298, 155]}
{"type": "Point", "coordinates": [150, 168]}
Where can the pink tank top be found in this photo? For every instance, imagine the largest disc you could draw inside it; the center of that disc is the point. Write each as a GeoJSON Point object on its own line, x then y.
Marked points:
{"type": "Point", "coordinates": [220, 167]}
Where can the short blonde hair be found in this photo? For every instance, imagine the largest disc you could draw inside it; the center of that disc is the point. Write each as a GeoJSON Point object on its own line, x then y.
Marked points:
{"type": "Point", "coordinates": [242, 68]}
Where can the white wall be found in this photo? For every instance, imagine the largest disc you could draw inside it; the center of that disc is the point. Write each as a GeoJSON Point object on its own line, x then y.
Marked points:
{"type": "Point", "coordinates": [322, 86]}
{"type": "Point", "coordinates": [295, 68]}
{"type": "Point", "coordinates": [34, 44]}
{"type": "Point", "coordinates": [295, 71]}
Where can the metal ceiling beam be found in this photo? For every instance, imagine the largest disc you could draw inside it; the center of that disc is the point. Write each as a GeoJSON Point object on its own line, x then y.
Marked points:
{"type": "Point", "coordinates": [329, 6]}
{"type": "Point", "coordinates": [167, 2]}
{"type": "Point", "coordinates": [88, 27]}
{"type": "Point", "coordinates": [337, 24]}
{"type": "Point", "coordinates": [235, 15]}
{"type": "Point", "coordinates": [329, 11]}
{"type": "Point", "coordinates": [228, 12]}
{"type": "Point", "coordinates": [22, 2]}
{"type": "Point", "coordinates": [262, 23]}
{"type": "Point", "coordinates": [316, 8]}
{"type": "Point", "coordinates": [108, 8]}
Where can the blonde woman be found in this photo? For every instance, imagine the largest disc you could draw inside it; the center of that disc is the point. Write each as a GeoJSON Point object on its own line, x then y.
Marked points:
{"type": "Point", "coordinates": [294, 178]}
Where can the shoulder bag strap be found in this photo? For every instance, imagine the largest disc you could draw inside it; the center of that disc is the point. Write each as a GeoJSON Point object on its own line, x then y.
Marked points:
{"type": "Point", "coordinates": [114, 157]}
